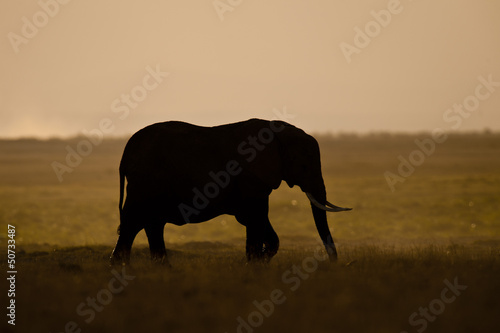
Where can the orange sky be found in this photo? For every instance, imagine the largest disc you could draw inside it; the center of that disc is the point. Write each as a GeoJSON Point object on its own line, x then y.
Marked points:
{"type": "Point", "coordinates": [74, 69]}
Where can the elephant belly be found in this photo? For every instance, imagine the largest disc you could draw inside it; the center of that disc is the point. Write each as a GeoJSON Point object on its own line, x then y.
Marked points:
{"type": "Point", "coordinates": [180, 209]}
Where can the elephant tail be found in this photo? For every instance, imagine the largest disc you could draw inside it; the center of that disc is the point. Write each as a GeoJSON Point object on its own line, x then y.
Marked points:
{"type": "Point", "coordinates": [122, 190]}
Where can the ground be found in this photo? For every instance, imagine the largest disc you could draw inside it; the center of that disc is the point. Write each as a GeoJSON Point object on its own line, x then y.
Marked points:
{"type": "Point", "coordinates": [420, 255]}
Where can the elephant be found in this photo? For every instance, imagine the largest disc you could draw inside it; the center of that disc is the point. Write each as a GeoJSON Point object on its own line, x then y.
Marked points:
{"type": "Point", "coordinates": [182, 173]}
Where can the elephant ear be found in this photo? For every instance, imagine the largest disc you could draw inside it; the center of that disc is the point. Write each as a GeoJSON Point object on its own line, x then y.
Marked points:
{"type": "Point", "coordinates": [262, 173]}
{"type": "Point", "coordinates": [265, 169]}
{"type": "Point", "coordinates": [298, 153]}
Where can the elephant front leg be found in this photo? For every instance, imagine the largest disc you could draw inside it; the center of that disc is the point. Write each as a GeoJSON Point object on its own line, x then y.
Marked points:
{"type": "Point", "coordinates": [262, 242]}
{"type": "Point", "coordinates": [271, 242]}
{"type": "Point", "coordinates": [254, 244]}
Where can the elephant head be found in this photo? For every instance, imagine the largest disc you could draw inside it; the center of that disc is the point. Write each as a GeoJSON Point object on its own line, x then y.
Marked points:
{"type": "Point", "coordinates": [302, 167]}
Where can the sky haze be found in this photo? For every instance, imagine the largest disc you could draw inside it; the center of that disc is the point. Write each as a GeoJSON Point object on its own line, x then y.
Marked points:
{"type": "Point", "coordinates": [336, 66]}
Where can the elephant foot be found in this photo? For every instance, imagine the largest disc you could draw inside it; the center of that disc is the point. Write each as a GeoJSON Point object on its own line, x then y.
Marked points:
{"type": "Point", "coordinates": [160, 259]}
{"type": "Point", "coordinates": [117, 259]}
{"type": "Point", "coordinates": [260, 257]}
{"type": "Point", "coordinates": [161, 262]}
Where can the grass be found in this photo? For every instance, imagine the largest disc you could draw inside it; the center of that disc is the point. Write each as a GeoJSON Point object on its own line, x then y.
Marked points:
{"type": "Point", "coordinates": [373, 288]}
{"type": "Point", "coordinates": [396, 249]}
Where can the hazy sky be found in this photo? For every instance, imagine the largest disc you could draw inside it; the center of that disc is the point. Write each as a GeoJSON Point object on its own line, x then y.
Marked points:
{"type": "Point", "coordinates": [78, 66]}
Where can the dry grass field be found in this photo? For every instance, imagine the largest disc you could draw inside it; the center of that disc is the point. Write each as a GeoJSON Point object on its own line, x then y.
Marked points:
{"type": "Point", "coordinates": [422, 256]}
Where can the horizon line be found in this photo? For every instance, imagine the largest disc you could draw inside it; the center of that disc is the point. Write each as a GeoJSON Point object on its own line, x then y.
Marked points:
{"type": "Point", "coordinates": [56, 137]}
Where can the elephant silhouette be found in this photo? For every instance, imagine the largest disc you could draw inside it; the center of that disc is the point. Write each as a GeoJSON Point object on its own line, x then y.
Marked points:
{"type": "Point", "coordinates": [181, 173]}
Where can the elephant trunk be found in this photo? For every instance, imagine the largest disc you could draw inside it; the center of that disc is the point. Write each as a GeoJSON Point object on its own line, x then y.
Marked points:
{"type": "Point", "coordinates": [321, 222]}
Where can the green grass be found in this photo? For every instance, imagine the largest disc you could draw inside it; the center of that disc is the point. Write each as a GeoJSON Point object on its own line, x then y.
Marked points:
{"type": "Point", "coordinates": [395, 248]}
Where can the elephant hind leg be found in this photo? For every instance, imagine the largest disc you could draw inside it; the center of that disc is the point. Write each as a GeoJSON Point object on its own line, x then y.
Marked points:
{"type": "Point", "coordinates": [130, 225]}
{"type": "Point", "coordinates": [154, 231]}
{"type": "Point", "coordinates": [121, 253]}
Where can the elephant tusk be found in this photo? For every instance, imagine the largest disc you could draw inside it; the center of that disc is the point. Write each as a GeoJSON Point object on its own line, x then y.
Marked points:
{"type": "Point", "coordinates": [331, 208]}
{"type": "Point", "coordinates": [338, 209]}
